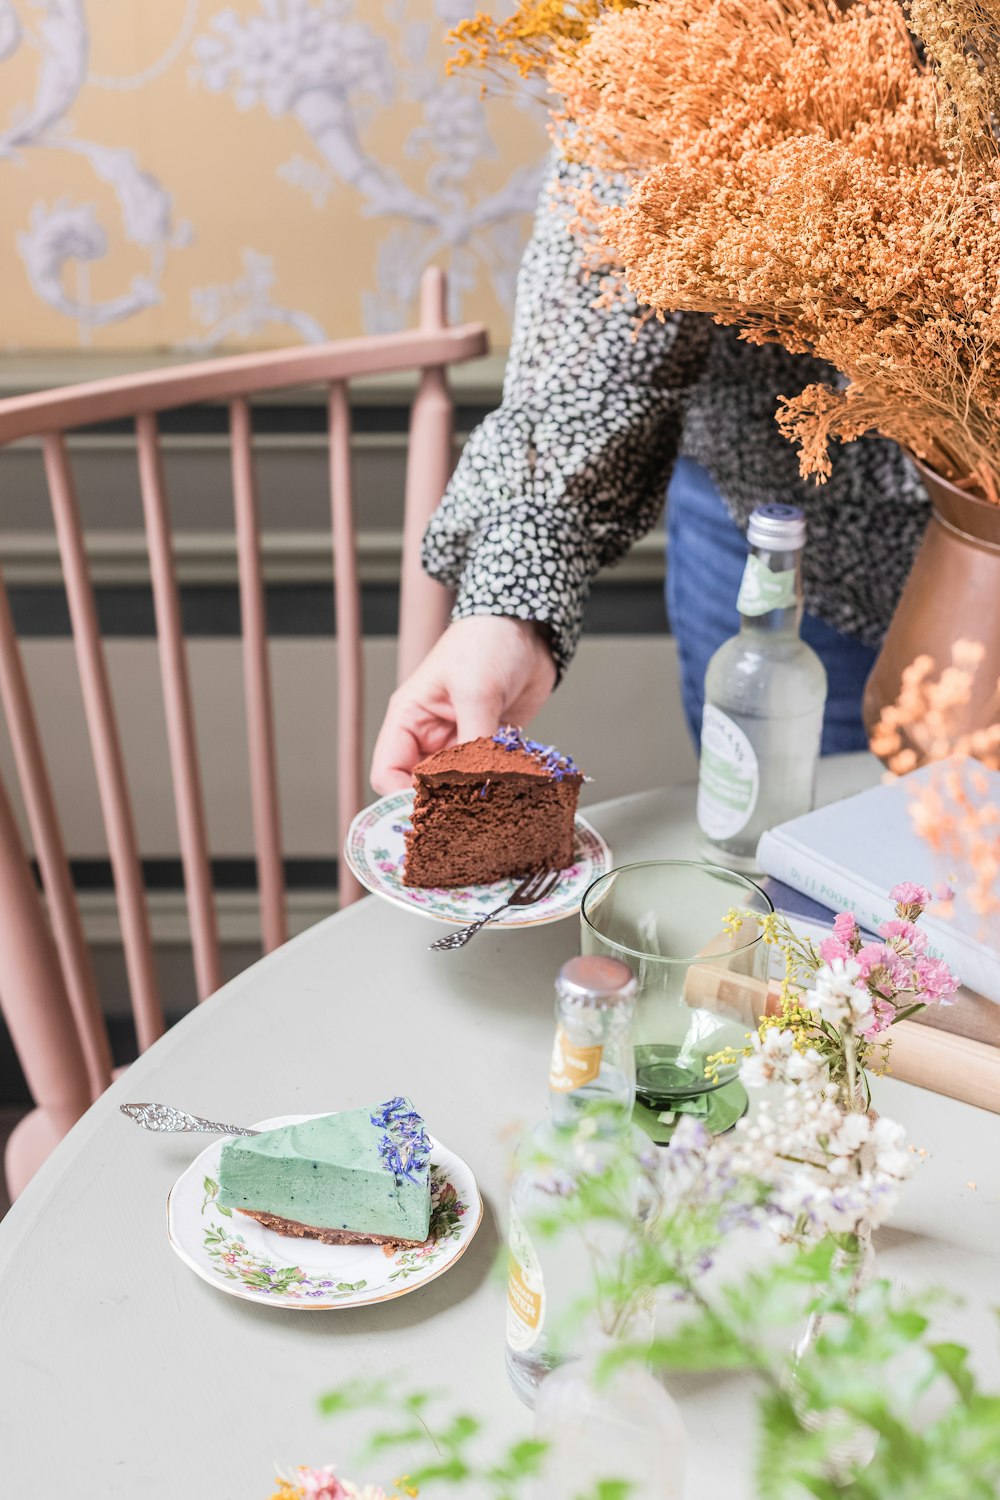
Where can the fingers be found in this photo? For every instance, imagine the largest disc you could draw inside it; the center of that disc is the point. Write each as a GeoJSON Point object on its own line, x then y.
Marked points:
{"type": "Point", "coordinates": [397, 751]}
{"type": "Point", "coordinates": [414, 728]}
{"type": "Point", "coordinates": [478, 711]}
{"type": "Point", "coordinates": [482, 671]}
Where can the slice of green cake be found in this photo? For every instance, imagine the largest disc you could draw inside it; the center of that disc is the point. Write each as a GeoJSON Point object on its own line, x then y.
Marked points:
{"type": "Point", "coordinates": [358, 1177]}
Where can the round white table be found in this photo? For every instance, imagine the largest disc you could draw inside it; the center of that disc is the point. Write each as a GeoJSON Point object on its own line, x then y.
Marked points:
{"type": "Point", "coordinates": [123, 1374]}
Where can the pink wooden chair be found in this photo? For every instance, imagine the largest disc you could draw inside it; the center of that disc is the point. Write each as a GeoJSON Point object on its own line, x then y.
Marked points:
{"type": "Point", "coordinates": [47, 987]}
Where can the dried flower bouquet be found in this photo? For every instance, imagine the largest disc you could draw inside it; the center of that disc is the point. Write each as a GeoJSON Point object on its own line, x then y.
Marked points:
{"type": "Point", "coordinates": [801, 174]}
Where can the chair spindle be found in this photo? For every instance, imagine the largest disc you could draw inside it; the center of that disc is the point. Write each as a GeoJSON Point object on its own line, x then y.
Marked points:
{"type": "Point", "coordinates": [190, 803]}
{"type": "Point", "coordinates": [350, 705]}
{"type": "Point", "coordinates": [423, 602]}
{"type": "Point", "coordinates": [109, 762]}
{"type": "Point", "coordinates": [257, 685]}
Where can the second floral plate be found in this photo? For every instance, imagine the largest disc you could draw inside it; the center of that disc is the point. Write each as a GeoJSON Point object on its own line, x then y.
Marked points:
{"type": "Point", "coordinates": [374, 850]}
{"type": "Point", "coordinates": [239, 1256]}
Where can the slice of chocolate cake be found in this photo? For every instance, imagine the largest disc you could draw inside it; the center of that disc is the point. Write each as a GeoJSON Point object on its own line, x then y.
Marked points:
{"type": "Point", "coordinates": [490, 808]}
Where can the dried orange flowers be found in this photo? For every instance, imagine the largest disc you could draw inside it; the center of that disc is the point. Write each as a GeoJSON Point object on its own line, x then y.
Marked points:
{"type": "Point", "coordinates": [799, 173]}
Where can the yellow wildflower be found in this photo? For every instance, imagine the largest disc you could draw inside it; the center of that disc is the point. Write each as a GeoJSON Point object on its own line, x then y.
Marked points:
{"type": "Point", "coordinates": [524, 40]}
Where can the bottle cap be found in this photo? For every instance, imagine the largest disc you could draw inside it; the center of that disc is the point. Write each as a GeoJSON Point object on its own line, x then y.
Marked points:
{"type": "Point", "coordinates": [595, 981]}
{"type": "Point", "coordinates": [780, 528]}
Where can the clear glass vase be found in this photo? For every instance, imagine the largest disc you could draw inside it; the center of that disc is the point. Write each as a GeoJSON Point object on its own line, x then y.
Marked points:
{"type": "Point", "coordinates": [618, 1426]}
{"type": "Point", "coordinates": [858, 1446]}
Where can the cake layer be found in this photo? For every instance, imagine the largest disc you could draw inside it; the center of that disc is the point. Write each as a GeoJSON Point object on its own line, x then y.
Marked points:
{"type": "Point", "coordinates": [462, 838]}
{"type": "Point", "coordinates": [327, 1236]}
{"type": "Point", "coordinates": [365, 1171]}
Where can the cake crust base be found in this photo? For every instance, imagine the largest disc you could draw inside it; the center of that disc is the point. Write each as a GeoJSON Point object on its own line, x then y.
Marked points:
{"type": "Point", "coordinates": [295, 1230]}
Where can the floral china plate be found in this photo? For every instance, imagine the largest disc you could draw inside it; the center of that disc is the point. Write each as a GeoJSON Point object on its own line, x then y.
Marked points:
{"type": "Point", "coordinates": [240, 1256]}
{"type": "Point", "coordinates": [374, 851]}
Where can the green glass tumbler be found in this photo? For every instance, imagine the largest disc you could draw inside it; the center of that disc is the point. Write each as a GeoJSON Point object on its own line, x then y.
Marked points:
{"type": "Point", "coordinates": [701, 986]}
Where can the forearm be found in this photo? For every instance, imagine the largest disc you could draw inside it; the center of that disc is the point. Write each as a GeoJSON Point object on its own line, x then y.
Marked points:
{"type": "Point", "coordinates": [573, 466]}
{"type": "Point", "coordinates": [528, 542]}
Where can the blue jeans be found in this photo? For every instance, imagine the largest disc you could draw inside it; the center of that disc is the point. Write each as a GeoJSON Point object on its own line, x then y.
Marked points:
{"type": "Point", "coordinates": [706, 554]}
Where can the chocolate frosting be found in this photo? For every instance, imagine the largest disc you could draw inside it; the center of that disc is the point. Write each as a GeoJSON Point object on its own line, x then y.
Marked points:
{"type": "Point", "coordinates": [482, 760]}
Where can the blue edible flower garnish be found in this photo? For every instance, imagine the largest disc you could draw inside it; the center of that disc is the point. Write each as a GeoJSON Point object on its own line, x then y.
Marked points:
{"type": "Point", "coordinates": [558, 766]}
{"type": "Point", "coordinates": [404, 1148]}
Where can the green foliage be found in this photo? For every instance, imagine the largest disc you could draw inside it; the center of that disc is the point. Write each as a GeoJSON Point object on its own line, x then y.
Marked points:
{"type": "Point", "coordinates": [875, 1408]}
{"type": "Point", "coordinates": [872, 1374]}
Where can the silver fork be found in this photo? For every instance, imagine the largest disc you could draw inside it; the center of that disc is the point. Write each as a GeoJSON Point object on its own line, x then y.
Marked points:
{"type": "Point", "coordinates": [535, 887]}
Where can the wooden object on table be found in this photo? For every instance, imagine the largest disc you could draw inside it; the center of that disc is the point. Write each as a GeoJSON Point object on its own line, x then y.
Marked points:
{"type": "Point", "coordinates": [957, 1066]}
{"type": "Point", "coordinates": [969, 1015]}
{"type": "Point", "coordinates": [948, 1064]}
{"type": "Point", "coordinates": [49, 415]}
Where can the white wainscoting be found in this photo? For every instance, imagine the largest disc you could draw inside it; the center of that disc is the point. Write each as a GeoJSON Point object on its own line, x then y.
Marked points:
{"type": "Point", "coordinates": [618, 713]}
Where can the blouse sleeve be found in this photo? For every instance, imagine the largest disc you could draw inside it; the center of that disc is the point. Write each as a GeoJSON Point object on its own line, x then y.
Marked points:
{"type": "Point", "coordinates": [573, 466]}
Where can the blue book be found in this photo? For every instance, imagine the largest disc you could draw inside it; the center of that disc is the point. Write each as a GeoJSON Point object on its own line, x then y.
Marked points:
{"type": "Point", "coordinates": [791, 903]}
{"type": "Point", "coordinates": [848, 855]}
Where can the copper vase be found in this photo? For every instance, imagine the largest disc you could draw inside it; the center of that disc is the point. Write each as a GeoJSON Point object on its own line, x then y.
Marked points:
{"type": "Point", "coordinates": [952, 594]}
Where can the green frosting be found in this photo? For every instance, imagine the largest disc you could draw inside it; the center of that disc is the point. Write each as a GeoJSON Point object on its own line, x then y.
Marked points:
{"type": "Point", "coordinates": [335, 1172]}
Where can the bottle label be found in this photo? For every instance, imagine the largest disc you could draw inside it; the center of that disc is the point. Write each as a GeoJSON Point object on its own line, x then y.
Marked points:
{"type": "Point", "coordinates": [761, 590]}
{"type": "Point", "coordinates": [571, 1066]}
{"type": "Point", "coordinates": [525, 1289]}
{"type": "Point", "coordinates": [728, 776]}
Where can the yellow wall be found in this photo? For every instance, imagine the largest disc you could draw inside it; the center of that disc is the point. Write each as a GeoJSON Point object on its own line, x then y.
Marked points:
{"type": "Point", "coordinates": [187, 174]}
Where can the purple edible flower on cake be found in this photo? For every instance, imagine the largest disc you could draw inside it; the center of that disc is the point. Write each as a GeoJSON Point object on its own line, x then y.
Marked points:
{"type": "Point", "coordinates": [404, 1148]}
{"type": "Point", "coordinates": [558, 766]}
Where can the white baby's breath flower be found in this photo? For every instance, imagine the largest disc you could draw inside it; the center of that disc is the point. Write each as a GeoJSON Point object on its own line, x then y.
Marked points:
{"type": "Point", "coordinates": [891, 1157]}
{"type": "Point", "coordinates": [835, 995]}
{"type": "Point", "coordinates": [861, 1013]}
{"type": "Point", "coordinates": [805, 1067]}
{"type": "Point", "coordinates": [768, 1061]}
{"type": "Point", "coordinates": [854, 1130]}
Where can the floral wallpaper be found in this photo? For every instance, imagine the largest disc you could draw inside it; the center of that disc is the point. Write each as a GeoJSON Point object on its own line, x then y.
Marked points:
{"type": "Point", "coordinates": [187, 175]}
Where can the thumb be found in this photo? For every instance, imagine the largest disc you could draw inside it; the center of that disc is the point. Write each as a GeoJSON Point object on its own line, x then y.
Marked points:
{"type": "Point", "coordinates": [478, 712]}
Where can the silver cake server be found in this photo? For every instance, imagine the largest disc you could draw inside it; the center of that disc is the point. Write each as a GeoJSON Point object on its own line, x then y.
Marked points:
{"type": "Point", "coordinates": [166, 1117]}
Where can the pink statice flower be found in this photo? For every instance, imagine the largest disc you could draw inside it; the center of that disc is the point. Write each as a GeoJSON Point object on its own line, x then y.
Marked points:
{"type": "Point", "coordinates": [902, 935]}
{"type": "Point", "coordinates": [936, 984]}
{"type": "Point", "coordinates": [883, 1016]}
{"type": "Point", "coordinates": [910, 899]}
{"type": "Point", "coordinates": [883, 970]}
{"type": "Point", "coordinates": [832, 948]}
{"type": "Point", "coordinates": [319, 1484]}
{"type": "Point", "coordinates": [845, 927]}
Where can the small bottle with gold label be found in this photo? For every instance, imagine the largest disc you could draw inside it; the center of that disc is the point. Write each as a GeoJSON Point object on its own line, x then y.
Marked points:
{"type": "Point", "coordinates": [591, 1094]}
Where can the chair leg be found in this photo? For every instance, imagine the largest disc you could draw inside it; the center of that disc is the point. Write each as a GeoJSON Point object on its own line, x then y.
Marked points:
{"type": "Point", "coordinates": [36, 1008]}
{"type": "Point", "coordinates": [30, 1142]}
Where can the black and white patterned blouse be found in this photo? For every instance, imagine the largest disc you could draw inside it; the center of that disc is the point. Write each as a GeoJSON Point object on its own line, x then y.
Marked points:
{"type": "Point", "coordinates": [573, 466]}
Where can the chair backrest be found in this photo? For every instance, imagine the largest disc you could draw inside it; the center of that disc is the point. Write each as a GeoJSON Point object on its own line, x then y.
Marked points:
{"type": "Point", "coordinates": [67, 1019]}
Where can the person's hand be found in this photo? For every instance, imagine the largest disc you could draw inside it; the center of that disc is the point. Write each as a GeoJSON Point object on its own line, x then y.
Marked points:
{"type": "Point", "coordinates": [484, 671]}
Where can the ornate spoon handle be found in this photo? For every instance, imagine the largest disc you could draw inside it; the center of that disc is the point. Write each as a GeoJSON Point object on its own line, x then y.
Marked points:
{"type": "Point", "coordinates": [166, 1117]}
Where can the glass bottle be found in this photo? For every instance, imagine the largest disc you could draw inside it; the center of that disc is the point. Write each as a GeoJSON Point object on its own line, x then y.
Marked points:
{"type": "Point", "coordinates": [588, 1129]}
{"type": "Point", "coordinates": [765, 691]}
